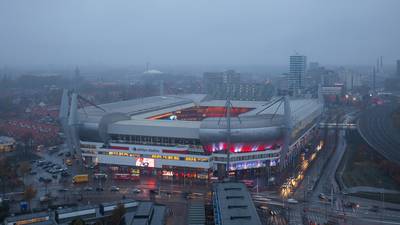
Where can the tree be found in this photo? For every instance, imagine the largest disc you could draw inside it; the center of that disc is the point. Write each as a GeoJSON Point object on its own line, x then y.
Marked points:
{"type": "Point", "coordinates": [5, 171]}
{"type": "Point", "coordinates": [29, 193]}
{"type": "Point", "coordinates": [24, 168]}
{"type": "Point", "coordinates": [117, 215]}
{"type": "Point", "coordinates": [78, 221]}
{"type": "Point", "coordinates": [98, 222]}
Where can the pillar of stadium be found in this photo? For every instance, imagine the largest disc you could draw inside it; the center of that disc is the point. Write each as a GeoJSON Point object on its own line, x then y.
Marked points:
{"type": "Point", "coordinates": [288, 130]}
{"type": "Point", "coordinates": [63, 118]}
{"type": "Point", "coordinates": [73, 125]}
{"type": "Point", "coordinates": [228, 127]}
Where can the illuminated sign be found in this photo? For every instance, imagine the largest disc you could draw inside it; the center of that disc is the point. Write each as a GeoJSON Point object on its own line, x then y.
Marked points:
{"type": "Point", "coordinates": [247, 165]}
{"type": "Point", "coordinates": [167, 173]}
{"type": "Point", "coordinates": [144, 162]}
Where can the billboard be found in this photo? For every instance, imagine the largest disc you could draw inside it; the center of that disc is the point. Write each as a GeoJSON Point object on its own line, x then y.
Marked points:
{"type": "Point", "coordinates": [144, 162]}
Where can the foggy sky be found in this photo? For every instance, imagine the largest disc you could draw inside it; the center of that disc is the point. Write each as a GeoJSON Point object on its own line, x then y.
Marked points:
{"type": "Point", "coordinates": [197, 31]}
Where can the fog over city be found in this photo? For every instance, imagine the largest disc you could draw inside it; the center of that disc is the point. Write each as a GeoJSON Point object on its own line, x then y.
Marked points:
{"type": "Point", "coordinates": [180, 32]}
{"type": "Point", "coordinates": [199, 112]}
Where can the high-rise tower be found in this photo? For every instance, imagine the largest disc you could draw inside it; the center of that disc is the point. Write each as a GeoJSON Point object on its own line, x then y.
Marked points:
{"type": "Point", "coordinates": [297, 70]}
{"type": "Point", "coordinates": [398, 68]}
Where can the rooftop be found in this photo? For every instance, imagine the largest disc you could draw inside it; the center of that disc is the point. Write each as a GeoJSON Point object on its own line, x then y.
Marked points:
{"type": "Point", "coordinates": [233, 205]}
{"type": "Point", "coordinates": [6, 140]}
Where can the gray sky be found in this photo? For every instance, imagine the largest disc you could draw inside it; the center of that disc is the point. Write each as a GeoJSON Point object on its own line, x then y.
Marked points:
{"type": "Point", "coordinates": [182, 32]}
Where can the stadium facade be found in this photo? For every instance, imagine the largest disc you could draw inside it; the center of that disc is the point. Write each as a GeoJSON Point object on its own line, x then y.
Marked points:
{"type": "Point", "coordinates": [188, 135]}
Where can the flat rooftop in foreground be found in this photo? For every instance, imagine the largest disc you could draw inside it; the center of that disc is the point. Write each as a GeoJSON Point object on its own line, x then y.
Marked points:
{"type": "Point", "coordinates": [234, 205]}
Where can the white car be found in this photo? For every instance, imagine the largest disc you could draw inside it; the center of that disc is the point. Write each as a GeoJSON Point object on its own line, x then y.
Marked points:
{"type": "Point", "coordinates": [292, 201]}
{"type": "Point", "coordinates": [136, 190]}
{"type": "Point", "coordinates": [114, 188]}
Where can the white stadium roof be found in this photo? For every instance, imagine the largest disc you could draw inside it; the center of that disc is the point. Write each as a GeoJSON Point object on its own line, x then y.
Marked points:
{"type": "Point", "coordinates": [303, 111]}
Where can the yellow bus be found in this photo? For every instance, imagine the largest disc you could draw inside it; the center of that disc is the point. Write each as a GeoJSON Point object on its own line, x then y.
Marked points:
{"type": "Point", "coordinates": [81, 178]}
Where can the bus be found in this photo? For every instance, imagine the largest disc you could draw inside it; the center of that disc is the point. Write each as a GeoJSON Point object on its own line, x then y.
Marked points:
{"type": "Point", "coordinates": [81, 178]}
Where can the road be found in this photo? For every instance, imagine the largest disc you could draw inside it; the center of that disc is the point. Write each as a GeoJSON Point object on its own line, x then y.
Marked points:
{"type": "Point", "coordinates": [376, 127]}
{"type": "Point", "coordinates": [321, 211]}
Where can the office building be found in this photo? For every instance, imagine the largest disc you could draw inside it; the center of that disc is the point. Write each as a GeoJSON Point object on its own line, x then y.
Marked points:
{"type": "Point", "coordinates": [297, 70]}
{"type": "Point", "coordinates": [398, 68]}
{"type": "Point", "coordinates": [217, 86]}
{"type": "Point", "coordinates": [213, 81]}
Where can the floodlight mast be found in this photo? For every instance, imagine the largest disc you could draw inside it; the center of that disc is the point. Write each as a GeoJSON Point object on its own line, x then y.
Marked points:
{"type": "Point", "coordinates": [228, 125]}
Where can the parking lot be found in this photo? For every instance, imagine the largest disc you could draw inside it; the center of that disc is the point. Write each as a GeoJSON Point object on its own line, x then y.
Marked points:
{"type": "Point", "coordinates": [52, 176]}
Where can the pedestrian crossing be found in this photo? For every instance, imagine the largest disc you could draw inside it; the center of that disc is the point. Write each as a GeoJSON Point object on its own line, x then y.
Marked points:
{"type": "Point", "coordinates": [316, 218]}
{"type": "Point", "coordinates": [295, 217]}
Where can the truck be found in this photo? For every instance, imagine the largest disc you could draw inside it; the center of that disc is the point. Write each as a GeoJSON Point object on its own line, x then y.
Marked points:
{"type": "Point", "coordinates": [81, 178]}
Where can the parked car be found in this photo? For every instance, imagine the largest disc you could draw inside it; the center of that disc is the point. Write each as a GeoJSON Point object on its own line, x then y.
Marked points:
{"type": "Point", "coordinates": [99, 189]}
{"type": "Point", "coordinates": [65, 174]}
{"type": "Point", "coordinates": [63, 190]}
{"type": "Point", "coordinates": [114, 188]}
{"type": "Point", "coordinates": [88, 189]}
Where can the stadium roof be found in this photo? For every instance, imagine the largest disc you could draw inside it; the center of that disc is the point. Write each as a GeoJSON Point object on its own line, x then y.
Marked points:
{"type": "Point", "coordinates": [136, 112]}
{"type": "Point", "coordinates": [137, 106]}
{"type": "Point", "coordinates": [158, 128]}
{"type": "Point", "coordinates": [300, 109]}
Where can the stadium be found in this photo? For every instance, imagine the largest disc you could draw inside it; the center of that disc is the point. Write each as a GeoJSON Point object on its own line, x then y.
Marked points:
{"type": "Point", "coordinates": [189, 135]}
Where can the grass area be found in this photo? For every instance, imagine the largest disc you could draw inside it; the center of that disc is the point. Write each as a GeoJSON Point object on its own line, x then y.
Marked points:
{"type": "Point", "coordinates": [396, 118]}
{"type": "Point", "coordinates": [392, 198]}
{"type": "Point", "coordinates": [363, 166]}
{"type": "Point", "coordinates": [20, 156]}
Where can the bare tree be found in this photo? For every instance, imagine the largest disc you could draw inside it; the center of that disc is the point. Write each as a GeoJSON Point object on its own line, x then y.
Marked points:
{"type": "Point", "coordinates": [29, 193]}
{"type": "Point", "coordinates": [78, 221]}
{"type": "Point", "coordinates": [24, 168]}
{"type": "Point", "coordinates": [5, 171]}
{"type": "Point", "coordinates": [117, 215]}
